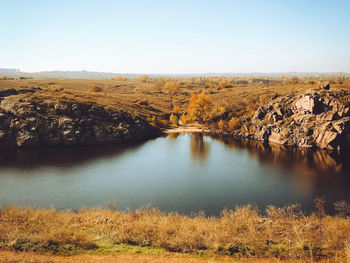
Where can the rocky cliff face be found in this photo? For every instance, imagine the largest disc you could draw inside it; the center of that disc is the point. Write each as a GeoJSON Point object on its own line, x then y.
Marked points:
{"type": "Point", "coordinates": [31, 123]}
{"type": "Point", "coordinates": [316, 119]}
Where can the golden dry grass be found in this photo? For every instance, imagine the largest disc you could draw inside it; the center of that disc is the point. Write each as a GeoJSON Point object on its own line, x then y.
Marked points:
{"type": "Point", "coordinates": [284, 233]}
{"type": "Point", "coordinates": [240, 100]}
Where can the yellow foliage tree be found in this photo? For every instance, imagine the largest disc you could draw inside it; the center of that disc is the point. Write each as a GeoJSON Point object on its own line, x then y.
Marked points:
{"type": "Point", "coordinates": [173, 119]}
{"type": "Point", "coordinates": [222, 84]}
{"type": "Point", "coordinates": [183, 119]}
{"type": "Point", "coordinates": [221, 125]}
{"type": "Point", "coordinates": [172, 87]}
{"type": "Point", "coordinates": [233, 123]}
{"type": "Point", "coordinates": [199, 107]}
{"type": "Point", "coordinates": [176, 109]}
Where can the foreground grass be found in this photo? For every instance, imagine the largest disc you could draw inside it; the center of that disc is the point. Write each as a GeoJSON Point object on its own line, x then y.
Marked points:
{"type": "Point", "coordinates": [283, 233]}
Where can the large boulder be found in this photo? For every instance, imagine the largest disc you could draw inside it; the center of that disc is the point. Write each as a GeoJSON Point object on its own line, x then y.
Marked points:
{"type": "Point", "coordinates": [313, 119]}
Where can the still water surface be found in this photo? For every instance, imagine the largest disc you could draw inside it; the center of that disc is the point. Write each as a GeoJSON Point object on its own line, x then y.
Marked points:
{"type": "Point", "coordinates": [181, 172]}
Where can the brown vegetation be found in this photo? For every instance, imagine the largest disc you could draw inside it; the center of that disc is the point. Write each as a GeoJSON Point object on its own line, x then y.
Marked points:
{"type": "Point", "coordinates": [94, 88]}
{"type": "Point", "coordinates": [199, 108]}
{"type": "Point", "coordinates": [231, 97]}
{"type": "Point", "coordinates": [284, 233]}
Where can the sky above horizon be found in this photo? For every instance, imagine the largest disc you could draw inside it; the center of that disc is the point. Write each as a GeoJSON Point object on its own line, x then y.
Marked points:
{"type": "Point", "coordinates": [182, 36]}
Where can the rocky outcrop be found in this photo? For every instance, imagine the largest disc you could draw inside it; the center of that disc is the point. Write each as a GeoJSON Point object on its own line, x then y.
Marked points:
{"type": "Point", "coordinates": [40, 123]}
{"type": "Point", "coordinates": [314, 120]}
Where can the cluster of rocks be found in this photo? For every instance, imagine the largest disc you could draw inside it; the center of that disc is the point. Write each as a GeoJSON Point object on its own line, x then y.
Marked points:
{"type": "Point", "coordinates": [313, 120]}
{"type": "Point", "coordinates": [28, 123]}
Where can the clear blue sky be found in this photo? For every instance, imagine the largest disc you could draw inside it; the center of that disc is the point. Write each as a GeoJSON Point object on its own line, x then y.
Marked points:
{"type": "Point", "coordinates": [176, 36]}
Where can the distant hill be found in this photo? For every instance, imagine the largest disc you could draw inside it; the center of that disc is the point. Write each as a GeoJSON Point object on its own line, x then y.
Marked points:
{"type": "Point", "coordinates": [16, 73]}
{"type": "Point", "coordinates": [8, 70]}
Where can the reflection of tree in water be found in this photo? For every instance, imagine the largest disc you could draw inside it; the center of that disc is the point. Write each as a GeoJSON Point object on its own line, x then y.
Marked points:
{"type": "Point", "coordinates": [313, 170]}
{"type": "Point", "coordinates": [173, 135]}
{"type": "Point", "coordinates": [199, 148]}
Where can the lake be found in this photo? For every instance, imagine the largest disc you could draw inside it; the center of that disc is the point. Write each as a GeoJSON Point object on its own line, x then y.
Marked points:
{"type": "Point", "coordinates": [186, 173]}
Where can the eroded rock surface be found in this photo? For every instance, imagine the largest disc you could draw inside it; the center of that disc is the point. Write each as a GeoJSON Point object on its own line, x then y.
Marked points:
{"type": "Point", "coordinates": [314, 119]}
{"type": "Point", "coordinates": [28, 123]}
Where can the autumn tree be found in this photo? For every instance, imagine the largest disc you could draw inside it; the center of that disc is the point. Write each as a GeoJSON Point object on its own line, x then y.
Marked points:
{"type": "Point", "coordinates": [172, 88]}
{"type": "Point", "coordinates": [159, 83]}
{"type": "Point", "coordinates": [176, 109]}
{"type": "Point", "coordinates": [233, 123]}
{"type": "Point", "coordinates": [221, 125]}
{"type": "Point", "coordinates": [199, 107]}
{"type": "Point", "coordinates": [174, 119]}
{"type": "Point", "coordinates": [183, 119]}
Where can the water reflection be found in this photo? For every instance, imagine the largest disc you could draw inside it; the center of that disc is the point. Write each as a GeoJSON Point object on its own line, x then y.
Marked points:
{"type": "Point", "coordinates": [173, 135]}
{"type": "Point", "coordinates": [313, 170]}
{"type": "Point", "coordinates": [199, 147]}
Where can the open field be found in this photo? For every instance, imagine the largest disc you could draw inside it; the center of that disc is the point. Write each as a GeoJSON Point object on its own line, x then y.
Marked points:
{"type": "Point", "coordinates": [159, 97]}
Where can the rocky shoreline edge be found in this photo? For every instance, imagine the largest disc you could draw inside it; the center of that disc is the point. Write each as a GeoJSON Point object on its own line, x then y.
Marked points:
{"type": "Point", "coordinates": [314, 120]}
{"type": "Point", "coordinates": [32, 123]}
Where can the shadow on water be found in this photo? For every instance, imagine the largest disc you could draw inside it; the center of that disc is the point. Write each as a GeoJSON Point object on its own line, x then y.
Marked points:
{"type": "Point", "coordinates": [325, 173]}
{"type": "Point", "coordinates": [305, 161]}
{"type": "Point", "coordinates": [60, 157]}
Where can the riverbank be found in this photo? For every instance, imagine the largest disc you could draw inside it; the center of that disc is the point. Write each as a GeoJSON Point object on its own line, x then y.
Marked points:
{"type": "Point", "coordinates": [280, 234]}
{"type": "Point", "coordinates": [190, 128]}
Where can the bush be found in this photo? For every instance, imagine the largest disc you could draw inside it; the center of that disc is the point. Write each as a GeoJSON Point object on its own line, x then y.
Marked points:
{"type": "Point", "coordinates": [234, 123]}
{"type": "Point", "coordinates": [160, 123]}
{"type": "Point", "coordinates": [142, 102]}
{"type": "Point", "coordinates": [176, 109]}
{"type": "Point", "coordinates": [173, 119]}
{"type": "Point", "coordinates": [143, 78]}
{"type": "Point", "coordinates": [221, 125]}
{"type": "Point", "coordinates": [183, 119]}
{"type": "Point", "coordinates": [95, 88]}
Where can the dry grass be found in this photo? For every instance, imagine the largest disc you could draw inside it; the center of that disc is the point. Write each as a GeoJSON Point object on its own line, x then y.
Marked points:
{"type": "Point", "coordinates": [237, 96]}
{"type": "Point", "coordinates": [284, 233]}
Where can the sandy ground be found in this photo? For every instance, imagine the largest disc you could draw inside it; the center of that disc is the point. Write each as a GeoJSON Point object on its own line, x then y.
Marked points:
{"type": "Point", "coordinates": [189, 128]}
{"type": "Point", "coordinates": [10, 256]}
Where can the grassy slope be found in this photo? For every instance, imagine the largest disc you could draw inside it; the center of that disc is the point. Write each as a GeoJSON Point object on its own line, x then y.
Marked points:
{"type": "Point", "coordinates": [148, 99]}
